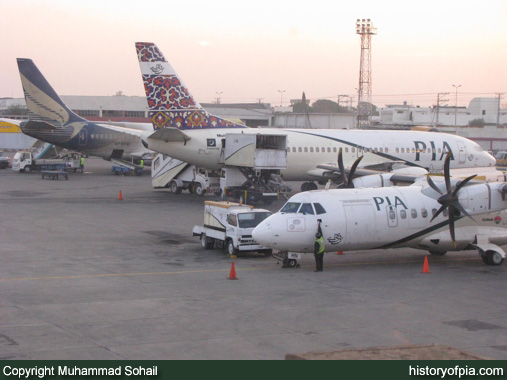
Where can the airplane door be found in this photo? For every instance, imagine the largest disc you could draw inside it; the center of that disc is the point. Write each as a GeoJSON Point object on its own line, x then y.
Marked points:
{"type": "Point", "coordinates": [360, 224]}
{"type": "Point", "coordinates": [83, 137]}
{"type": "Point", "coordinates": [392, 216]}
{"type": "Point", "coordinates": [462, 152]}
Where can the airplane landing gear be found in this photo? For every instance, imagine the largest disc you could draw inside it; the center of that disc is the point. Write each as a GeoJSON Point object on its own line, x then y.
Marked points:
{"type": "Point", "coordinates": [290, 260]}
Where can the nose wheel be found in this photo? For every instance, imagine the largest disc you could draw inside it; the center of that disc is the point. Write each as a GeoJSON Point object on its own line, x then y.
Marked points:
{"type": "Point", "coordinates": [289, 259]}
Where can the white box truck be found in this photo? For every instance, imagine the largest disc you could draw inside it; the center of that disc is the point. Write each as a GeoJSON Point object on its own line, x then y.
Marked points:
{"type": "Point", "coordinates": [229, 225]}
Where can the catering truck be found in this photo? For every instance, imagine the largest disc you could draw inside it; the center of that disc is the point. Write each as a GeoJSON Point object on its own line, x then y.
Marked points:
{"type": "Point", "coordinates": [229, 225]}
{"type": "Point", "coordinates": [24, 161]}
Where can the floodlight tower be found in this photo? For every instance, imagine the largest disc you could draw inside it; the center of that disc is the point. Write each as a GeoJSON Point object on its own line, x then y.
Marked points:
{"type": "Point", "coordinates": [365, 28]}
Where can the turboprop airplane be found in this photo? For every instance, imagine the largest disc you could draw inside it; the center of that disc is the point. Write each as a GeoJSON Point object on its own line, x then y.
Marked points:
{"type": "Point", "coordinates": [186, 131]}
{"type": "Point", "coordinates": [446, 215]}
{"type": "Point", "coordinates": [52, 121]}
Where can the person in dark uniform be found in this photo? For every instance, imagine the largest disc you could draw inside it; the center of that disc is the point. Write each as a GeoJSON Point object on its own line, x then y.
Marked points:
{"type": "Point", "coordinates": [318, 250]}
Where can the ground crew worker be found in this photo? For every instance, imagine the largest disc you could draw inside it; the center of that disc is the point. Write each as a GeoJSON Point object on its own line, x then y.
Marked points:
{"type": "Point", "coordinates": [141, 164]}
{"type": "Point", "coordinates": [82, 164]}
{"type": "Point", "coordinates": [318, 250]}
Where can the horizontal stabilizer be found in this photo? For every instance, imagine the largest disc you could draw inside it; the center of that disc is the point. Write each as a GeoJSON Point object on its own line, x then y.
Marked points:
{"type": "Point", "coordinates": [169, 134]}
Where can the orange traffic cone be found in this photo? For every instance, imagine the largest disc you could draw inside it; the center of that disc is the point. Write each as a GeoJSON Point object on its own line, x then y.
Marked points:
{"type": "Point", "coordinates": [426, 267]}
{"type": "Point", "coordinates": [232, 274]}
{"type": "Point", "coordinates": [120, 196]}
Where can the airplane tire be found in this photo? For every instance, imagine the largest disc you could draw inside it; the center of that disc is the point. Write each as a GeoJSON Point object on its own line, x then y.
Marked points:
{"type": "Point", "coordinates": [494, 258]}
{"type": "Point", "coordinates": [438, 253]}
{"type": "Point", "coordinates": [291, 263]}
{"type": "Point", "coordinates": [304, 186]}
{"type": "Point", "coordinates": [311, 186]}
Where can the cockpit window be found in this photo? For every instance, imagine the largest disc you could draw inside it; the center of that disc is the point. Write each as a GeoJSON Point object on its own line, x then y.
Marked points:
{"type": "Point", "coordinates": [319, 209]}
{"type": "Point", "coordinates": [306, 208]}
{"type": "Point", "coordinates": [290, 207]}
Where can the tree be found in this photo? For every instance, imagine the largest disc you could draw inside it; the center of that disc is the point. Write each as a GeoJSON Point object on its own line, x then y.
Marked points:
{"type": "Point", "coordinates": [327, 106]}
{"type": "Point", "coordinates": [476, 122]}
{"type": "Point", "coordinates": [16, 109]}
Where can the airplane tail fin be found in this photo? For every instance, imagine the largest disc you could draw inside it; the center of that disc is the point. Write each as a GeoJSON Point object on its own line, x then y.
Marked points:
{"type": "Point", "coordinates": [170, 102]}
{"type": "Point", "coordinates": [42, 101]}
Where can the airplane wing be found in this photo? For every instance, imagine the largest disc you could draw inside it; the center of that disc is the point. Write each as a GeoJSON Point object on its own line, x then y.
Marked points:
{"type": "Point", "coordinates": [169, 134]}
{"type": "Point", "coordinates": [122, 129]}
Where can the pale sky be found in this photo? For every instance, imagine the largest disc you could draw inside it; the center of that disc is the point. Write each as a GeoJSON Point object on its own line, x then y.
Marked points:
{"type": "Point", "coordinates": [249, 50]}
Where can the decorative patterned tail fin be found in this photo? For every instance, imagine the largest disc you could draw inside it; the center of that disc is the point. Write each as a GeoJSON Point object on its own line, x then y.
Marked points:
{"type": "Point", "coordinates": [169, 101]}
{"type": "Point", "coordinates": [42, 101]}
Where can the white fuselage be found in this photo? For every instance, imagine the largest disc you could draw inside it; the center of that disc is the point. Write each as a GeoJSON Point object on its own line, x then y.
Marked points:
{"type": "Point", "coordinates": [308, 148]}
{"type": "Point", "coordinates": [356, 219]}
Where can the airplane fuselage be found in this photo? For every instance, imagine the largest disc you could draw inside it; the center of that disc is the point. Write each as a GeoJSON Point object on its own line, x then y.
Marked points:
{"type": "Point", "coordinates": [357, 219]}
{"type": "Point", "coordinates": [309, 148]}
{"type": "Point", "coordinates": [91, 138]}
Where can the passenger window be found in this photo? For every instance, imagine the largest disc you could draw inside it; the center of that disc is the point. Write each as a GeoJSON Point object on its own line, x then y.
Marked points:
{"type": "Point", "coordinates": [294, 149]}
{"type": "Point", "coordinates": [424, 213]}
{"type": "Point", "coordinates": [413, 212]}
{"type": "Point", "coordinates": [311, 149]}
{"type": "Point", "coordinates": [346, 150]}
{"type": "Point", "coordinates": [329, 149]}
{"type": "Point", "coordinates": [353, 150]}
{"type": "Point", "coordinates": [381, 150]}
{"type": "Point", "coordinates": [300, 149]}
{"type": "Point", "coordinates": [323, 149]}
{"type": "Point", "coordinates": [306, 208]}
{"type": "Point", "coordinates": [433, 211]}
{"type": "Point", "coordinates": [306, 149]}
{"type": "Point", "coordinates": [317, 149]}
{"type": "Point", "coordinates": [446, 212]}
{"type": "Point", "coordinates": [387, 150]}
{"type": "Point", "coordinates": [334, 149]}
{"type": "Point", "coordinates": [319, 209]}
{"type": "Point", "coordinates": [402, 150]}
{"type": "Point", "coordinates": [392, 215]}
{"type": "Point", "coordinates": [403, 214]}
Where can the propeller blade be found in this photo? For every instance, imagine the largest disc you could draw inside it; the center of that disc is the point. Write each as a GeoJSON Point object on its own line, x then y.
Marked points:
{"type": "Point", "coordinates": [463, 211]}
{"type": "Point", "coordinates": [432, 185]}
{"type": "Point", "coordinates": [463, 183]}
{"type": "Point", "coordinates": [341, 166]}
{"type": "Point", "coordinates": [442, 208]}
{"type": "Point", "coordinates": [447, 174]}
{"type": "Point", "coordinates": [451, 224]}
{"type": "Point", "coordinates": [353, 169]}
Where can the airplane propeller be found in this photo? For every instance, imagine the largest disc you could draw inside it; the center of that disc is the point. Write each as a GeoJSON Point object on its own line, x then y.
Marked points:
{"type": "Point", "coordinates": [347, 181]}
{"type": "Point", "coordinates": [450, 200]}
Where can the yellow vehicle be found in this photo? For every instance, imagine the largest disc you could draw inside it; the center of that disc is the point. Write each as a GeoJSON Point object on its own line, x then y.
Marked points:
{"type": "Point", "coordinates": [501, 158]}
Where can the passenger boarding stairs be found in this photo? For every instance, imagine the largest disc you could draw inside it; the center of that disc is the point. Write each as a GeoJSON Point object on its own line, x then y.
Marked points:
{"type": "Point", "coordinates": [164, 169]}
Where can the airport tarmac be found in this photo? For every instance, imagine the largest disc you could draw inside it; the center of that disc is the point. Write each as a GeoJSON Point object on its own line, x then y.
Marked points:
{"type": "Point", "coordinates": [87, 276]}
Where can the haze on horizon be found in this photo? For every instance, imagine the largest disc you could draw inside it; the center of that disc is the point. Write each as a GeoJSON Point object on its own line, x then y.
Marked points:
{"type": "Point", "coordinates": [248, 51]}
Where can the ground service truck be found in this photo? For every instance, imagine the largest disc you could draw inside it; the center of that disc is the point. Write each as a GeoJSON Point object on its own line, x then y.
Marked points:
{"type": "Point", "coordinates": [229, 225]}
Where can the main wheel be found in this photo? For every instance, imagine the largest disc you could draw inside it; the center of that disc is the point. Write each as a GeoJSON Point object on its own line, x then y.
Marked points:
{"type": "Point", "coordinates": [230, 248]}
{"type": "Point", "coordinates": [173, 186]}
{"type": "Point", "coordinates": [494, 258]}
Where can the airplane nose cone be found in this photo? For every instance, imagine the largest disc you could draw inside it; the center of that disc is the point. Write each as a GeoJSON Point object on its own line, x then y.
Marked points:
{"type": "Point", "coordinates": [263, 234]}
